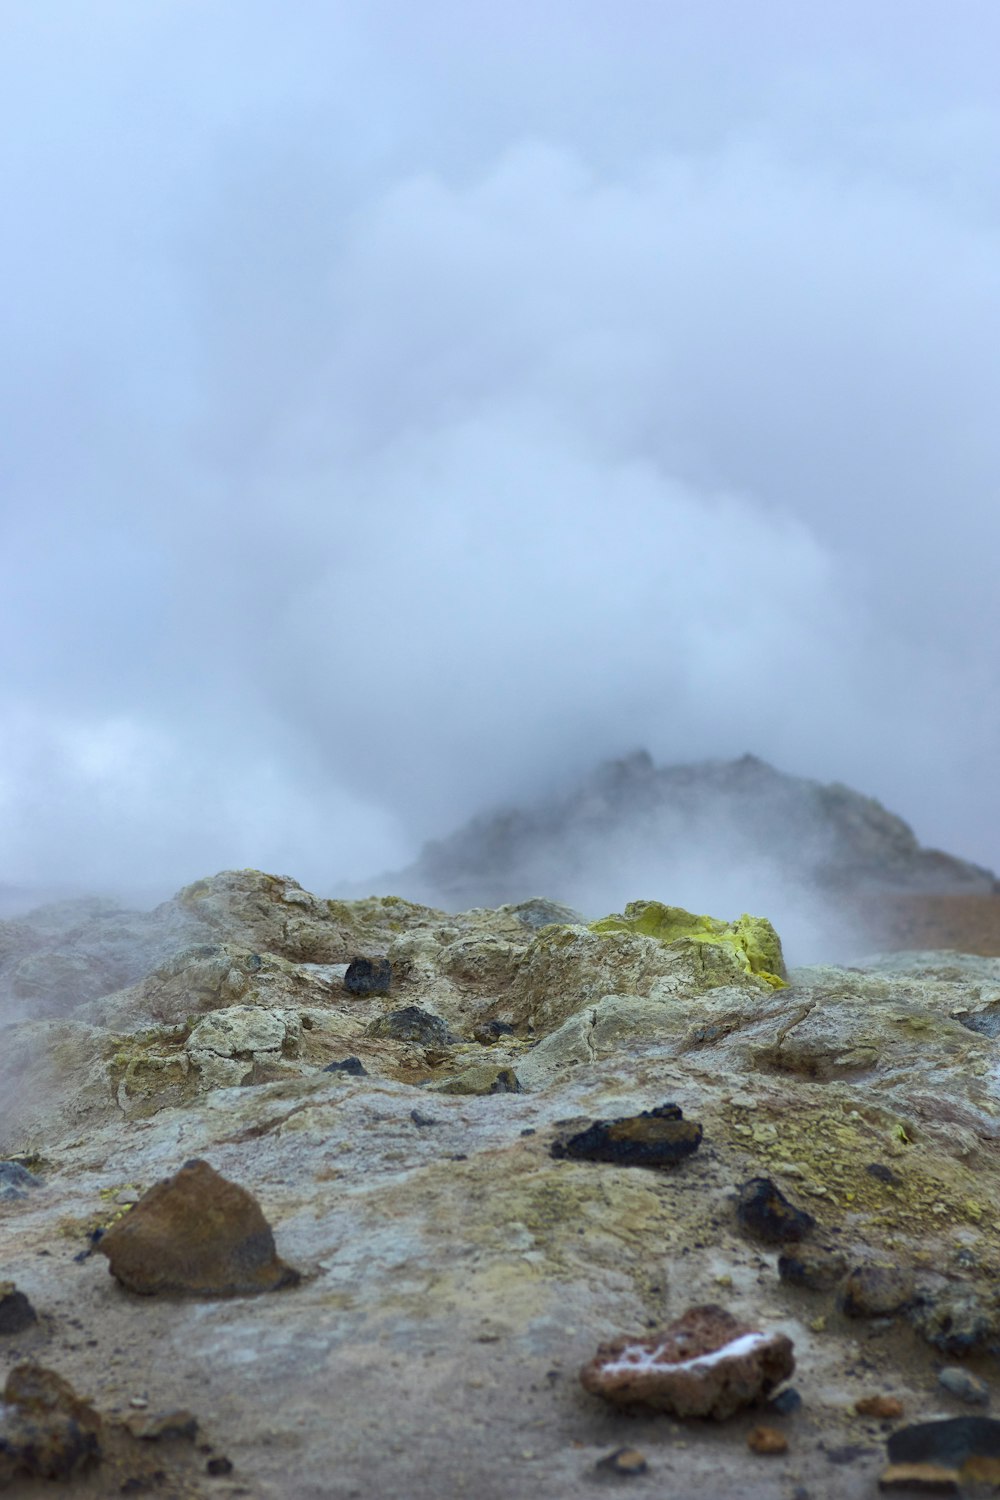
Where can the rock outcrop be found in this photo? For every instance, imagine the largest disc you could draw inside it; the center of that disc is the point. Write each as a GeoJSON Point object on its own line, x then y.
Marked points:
{"type": "Point", "coordinates": [543, 1138]}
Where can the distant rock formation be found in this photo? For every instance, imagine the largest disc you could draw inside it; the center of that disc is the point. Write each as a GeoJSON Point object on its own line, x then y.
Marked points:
{"type": "Point", "coordinates": [633, 816]}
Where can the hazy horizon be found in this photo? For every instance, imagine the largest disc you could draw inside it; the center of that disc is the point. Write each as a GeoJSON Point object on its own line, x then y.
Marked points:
{"type": "Point", "coordinates": [405, 410]}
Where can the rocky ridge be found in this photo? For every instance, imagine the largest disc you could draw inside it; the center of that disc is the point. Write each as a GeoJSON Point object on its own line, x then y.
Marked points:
{"type": "Point", "coordinates": [460, 1261]}
{"type": "Point", "coordinates": [631, 812]}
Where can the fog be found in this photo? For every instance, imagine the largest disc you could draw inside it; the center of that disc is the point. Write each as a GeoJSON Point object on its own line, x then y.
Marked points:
{"type": "Point", "coordinates": [404, 408]}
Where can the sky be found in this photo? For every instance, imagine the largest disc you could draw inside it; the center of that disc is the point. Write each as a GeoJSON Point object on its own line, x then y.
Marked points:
{"type": "Point", "coordinates": [403, 408]}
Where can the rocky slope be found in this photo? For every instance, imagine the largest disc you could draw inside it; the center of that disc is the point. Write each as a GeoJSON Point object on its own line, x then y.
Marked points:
{"type": "Point", "coordinates": [684, 823]}
{"type": "Point", "coordinates": [460, 1260]}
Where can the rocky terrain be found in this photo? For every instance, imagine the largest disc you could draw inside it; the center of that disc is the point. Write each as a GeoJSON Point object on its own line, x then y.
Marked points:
{"type": "Point", "coordinates": [501, 1142]}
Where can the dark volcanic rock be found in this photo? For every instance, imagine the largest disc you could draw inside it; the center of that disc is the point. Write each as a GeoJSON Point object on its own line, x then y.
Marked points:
{"type": "Point", "coordinates": [368, 976]}
{"type": "Point", "coordinates": [874, 1291]}
{"type": "Point", "coordinates": [655, 1138]}
{"type": "Point", "coordinates": [350, 1065]}
{"type": "Point", "coordinates": [411, 1024]}
{"type": "Point", "coordinates": [958, 1321]}
{"type": "Point", "coordinates": [46, 1430]}
{"type": "Point", "coordinates": [950, 1443]}
{"type": "Point", "coordinates": [16, 1312]}
{"type": "Point", "coordinates": [764, 1212]}
{"type": "Point", "coordinates": [706, 1364]}
{"type": "Point", "coordinates": [195, 1234]}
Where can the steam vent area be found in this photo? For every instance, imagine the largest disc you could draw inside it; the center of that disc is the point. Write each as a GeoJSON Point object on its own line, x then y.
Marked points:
{"type": "Point", "coordinates": [340, 1198]}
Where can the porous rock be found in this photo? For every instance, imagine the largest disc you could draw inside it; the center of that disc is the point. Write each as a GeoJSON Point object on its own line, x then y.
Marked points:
{"type": "Point", "coordinates": [195, 1234]}
{"type": "Point", "coordinates": [958, 1320]}
{"type": "Point", "coordinates": [46, 1430]}
{"type": "Point", "coordinates": [655, 1138]}
{"type": "Point", "coordinates": [877, 1291]}
{"type": "Point", "coordinates": [706, 1364]}
{"type": "Point", "coordinates": [368, 976]}
{"type": "Point", "coordinates": [763, 1211]}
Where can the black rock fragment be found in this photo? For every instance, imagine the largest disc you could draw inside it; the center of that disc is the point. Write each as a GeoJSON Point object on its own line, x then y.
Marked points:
{"type": "Point", "coordinates": [16, 1312]}
{"type": "Point", "coordinates": [763, 1211]}
{"type": "Point", "coordinates": [422, 1121]}
{"type": "Point", "coordinates": [486, 1033]}
{"type": "Point", "coordinates": [368, 976]}
{"type": "Point", "coordinates": [411, 1024]}
{"type": "Point", "coordinates": [352, 1065]}
{"type": "Point", "coordinates": [655, 1138]}
{"type": "Point", "coordinates": [950, 1442]}
{"type": "Point", "coordinates": [881, 1172]}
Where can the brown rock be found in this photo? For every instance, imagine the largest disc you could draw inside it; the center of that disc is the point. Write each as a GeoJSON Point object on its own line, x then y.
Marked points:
{"type": "Point", "coordinates": [47, 1430]}
{"type": "Point", "coordinates": [886, 1408]}
{"type": "Point", "coordinates": [767, 1440]}
{"type": "Point", "coordinates": [813, 1267]}
{"type": "Point", "coordinates": [706, 1364]}
{"type": "Point", "coordinates": [874, 1291]}
{"type": "Point", "coordinates": [626, 1462]}
{"type": "Point", "coordinates": [764, 1212]}
{"type": "Point", "coordinates": [196, 1234]}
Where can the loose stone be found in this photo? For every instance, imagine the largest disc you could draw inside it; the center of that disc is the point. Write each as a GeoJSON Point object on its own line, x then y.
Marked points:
{"type": "Point", "coordinates": [950, 1443]}
{"type": "Point", "coordinates": [958, 1322]}
{"type": "Point", "coordinates": [367, 976]}
{"type": "Point", "coordinates": [196, 1234]}
{"type": "Point", "coordinates": [812, 1267]}
{"type": "Point", "coordinates": [885, 1408]}
{"type": "Point", "coordinates": [764, 1212]}
{"type": "Point", "coordinates": [655, 1138]}
{"type": "Point", "coordinates": [16, 1312]}
{"type": "Point", "coordinates": [46, 1430]}
{"type": "Point", "coordinates": [353, 1066]}
{"type": "Point", "coordinates": [767, 1440]}
{"type": "Point", "coordinates": [625, 1462]}
{"type": "Point", "coordinates": [706, 1364]}
{"type": "Point", "coordinates": [877, 1291]}
{"type": "Point", "coordinates": [966, 1386]}
{"type": "Point", "coordinates": [411, 1024]}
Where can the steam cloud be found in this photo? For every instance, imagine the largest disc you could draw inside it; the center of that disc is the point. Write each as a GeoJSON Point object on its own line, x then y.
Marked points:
{"type": "Point", "coordinates": [405, 407]}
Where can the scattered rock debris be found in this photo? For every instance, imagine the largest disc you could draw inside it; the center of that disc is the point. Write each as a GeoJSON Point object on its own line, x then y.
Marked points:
{"type": "Point", "coordinates": [655, 1138]}
{"type": "Point", "coordinates": [195, 1234]}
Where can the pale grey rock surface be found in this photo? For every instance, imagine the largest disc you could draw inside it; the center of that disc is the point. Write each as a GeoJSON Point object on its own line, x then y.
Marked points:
{"type": "Point", "coordinates": [456, 1277]}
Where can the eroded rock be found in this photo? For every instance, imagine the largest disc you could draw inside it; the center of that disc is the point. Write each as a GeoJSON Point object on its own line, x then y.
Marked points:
{"type": "Point", "coordinates": [195, 1234]}
{"type": "Point", "coordinates": [763, 1211]}
{"type": "Point", "coordinates": [706, 1364]}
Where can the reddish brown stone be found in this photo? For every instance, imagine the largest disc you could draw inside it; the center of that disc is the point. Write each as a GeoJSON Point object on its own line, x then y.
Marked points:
{"type": "Point", "coordinates": [886, 1408]}
{"type": "Point", "coordinates": [706, 1364]}
{"type": "Point", "coordinates": [767, 1440]}
{"type": "Point", "coordinates": [196, 1234]}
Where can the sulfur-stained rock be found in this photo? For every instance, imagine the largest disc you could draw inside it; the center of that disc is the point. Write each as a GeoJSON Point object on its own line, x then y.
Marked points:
{"type": "Point", "coordinates": [706, 1364]}
{"type": "Point", "coordinates": [46, 1430]}
{"type": "Point", "coordinates": [877, 1291]}
{"type": "Point", "coordinates": [481, 1078]}
{"type": "Point", "coordinates": [655, 1138]}
{"type": "Point", "coordinates": [195, 1234]}
{"type": "Point", "coordinates": [368, 976]}
{"type": "Point", "coordinates": [763, 1211]}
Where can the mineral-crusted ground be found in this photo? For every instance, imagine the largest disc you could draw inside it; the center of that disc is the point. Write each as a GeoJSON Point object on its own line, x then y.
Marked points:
{"type": "Point", "coordinates": [456, 1276]}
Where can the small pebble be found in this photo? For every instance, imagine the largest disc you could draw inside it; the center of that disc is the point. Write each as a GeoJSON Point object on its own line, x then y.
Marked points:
{"type": "Point", "coordinates": [785, 1402]}
{"type": "Point", "coordinates": [885, 1408]}
{"type": "Point", "coordinates": [16, 1312]}
{"type": "Point", "coordinates": [220, 1465]}
{"type": "Point", "coordinates": [624, 1461]}
{"type": "Point", "coordinates": [966, 1386]}
{"type": "Point", "coordinates": [767, 1440]}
